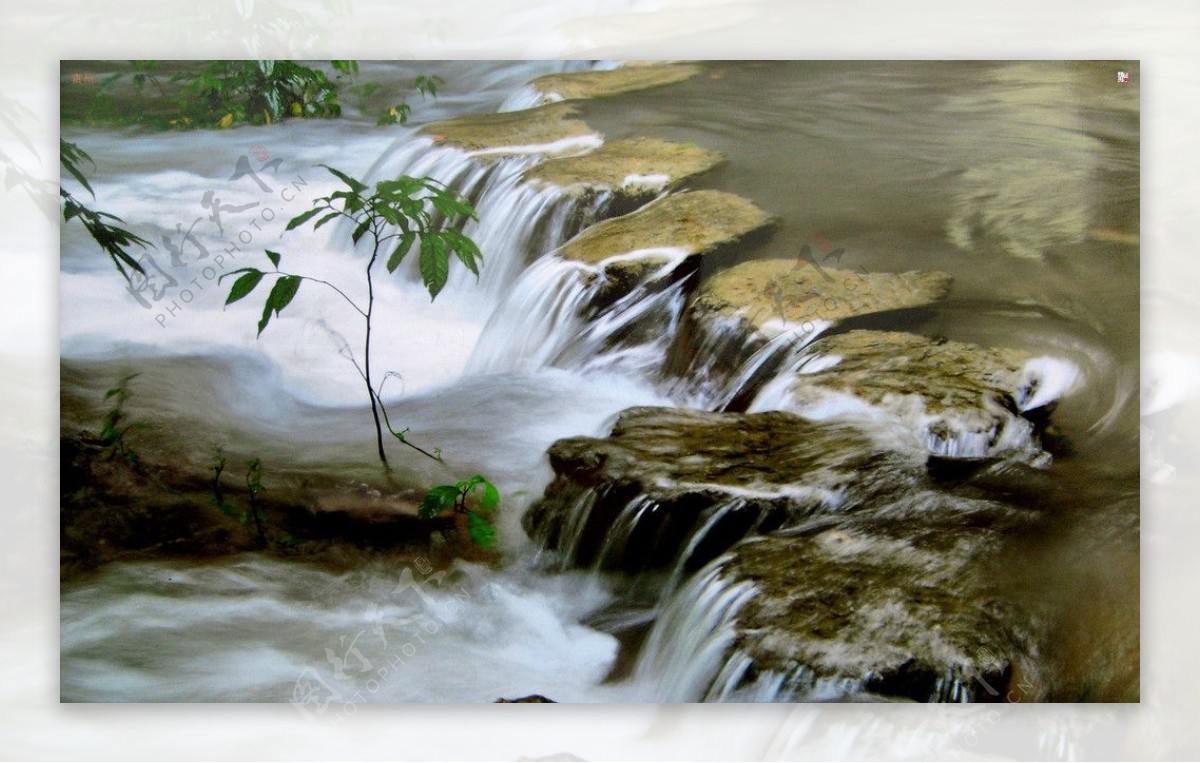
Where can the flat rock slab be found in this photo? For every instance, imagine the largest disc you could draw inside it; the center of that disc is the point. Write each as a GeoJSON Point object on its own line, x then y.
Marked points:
{"type": "Point", "coordinates": [635, 166]}
{"type": "Point", "coordinates": [779, 295]}
{"type": "Point", "coordinates": [624, 79]}
{"type": "Point", "coordinates": [896, 606]}
{"type": "Point", "coordinates": [961, 399]}
{"type": "Point", "coordinates": [692, 224]}
{"type": "Point", "coordinates": [673, 467]}
{"type": "Point", "coordinates": [550, 130]}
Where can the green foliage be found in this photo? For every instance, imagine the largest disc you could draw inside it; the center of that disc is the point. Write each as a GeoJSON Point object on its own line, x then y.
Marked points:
{"type": "Point", "coordinates": [220, 93]}
{"type": "Point", "coordinates": [217, 498]}
{"type": "Point", "coordinates": [258, 92]}
{"type": "Point", "coordinates": [113, 239]}
{"type": "Point", "coordinates": [477, 498]}
{"type": "Point", "coordinates": [116, 423]}
{"type": "Point", "coordinates": [255, 513]}
{"type": "Point", "coordinates": [404, 211]}
{"type": "Point", "coordinates": [395, 115]}
{"type": "Point", "coordinates": [395, 217]}
{"type": "Point", "coordinates": [426, 85]}
{"type": "Point", "coordinates": [227, 93]}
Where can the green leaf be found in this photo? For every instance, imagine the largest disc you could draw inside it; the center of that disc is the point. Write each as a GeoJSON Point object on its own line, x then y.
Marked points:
{"type": "Point", "coordinates": [70, 154]}
{"type": "Point", "coordinates": [223, 276]}
{"type": "Point", "coordinates": [360, 230]}
{"type": "Point", "coordinates": [302, 218]}
{"type": "Point", "coordinates": [244, 286]}
{"type": "Point", "coordinates": [435, 265]}
{"type": "Point", "coordinates": [437, 500]}
{"type": "Point", "coordinates": [491, 497]}
{"type": "Point", "coordinates": [266, 316]}
{"type": "Point", "coordinates": [283, 292]}
{"type": "Point", "coordinates": [465, 249]}
{"type": "Point", "coordinates": [428, 85]}
{"type": "Point", "coordinates": [406, 242]}
{"type": "Point", "coordinates": [480, 530]}
{"type": "Point", "coordinates": [326, 219]}
{"type": "Point", "coordinates": [355, 185]}
{"type": "Point", "coordinates": [273, 257]}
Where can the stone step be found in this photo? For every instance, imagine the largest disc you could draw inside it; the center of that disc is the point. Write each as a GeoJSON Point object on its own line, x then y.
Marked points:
{"type": "Point", "coordinates": [624, 79]}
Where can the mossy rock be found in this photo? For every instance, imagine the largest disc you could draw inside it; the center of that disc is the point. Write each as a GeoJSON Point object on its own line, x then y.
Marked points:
{"type": "Point", "coordinates": [635, 167]}
{"type": "Point", "coordinates": [624, 79]}
{"type": "Point", "coordinates": [876, 365]}
{"type": "Point", "coordinates": [962, 400]}
{"type": "Point", "coordinates": [693, 224]}
{"type": "Point", "coordinates": [766, 470]}
{"type": "Point", "coordinates": [550, 130]}
{"type": "Point", "coordinates": [778, 295]}
{"type": "Point", "coordinates": [897, 606]}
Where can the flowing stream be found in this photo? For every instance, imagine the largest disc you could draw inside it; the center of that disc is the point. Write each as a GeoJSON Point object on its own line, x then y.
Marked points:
{"type": "Point", "coordinates": [1014, 178]}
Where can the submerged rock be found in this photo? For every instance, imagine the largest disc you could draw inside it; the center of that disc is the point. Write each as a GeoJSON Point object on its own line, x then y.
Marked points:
{"type": "Point", "coordinates": [896, 605]}
{"type": "Point", "coordinates": [959, 400]}
{"type": "Point", "coordinates": [780, 295]}
{"type": "Point", "coordinates": [671, 484]}
{"type": "Point", "coordinates": [549, 130]}
{"type": "Point", "coordinates": [635, 168]}
{"type": "Point", "coordinates": [624, 79]}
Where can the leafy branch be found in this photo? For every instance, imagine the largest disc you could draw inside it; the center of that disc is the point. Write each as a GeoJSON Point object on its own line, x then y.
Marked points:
{"type": "Point", "coordinates": [477, 498]}
{"type": "Point", "coordinates": [113, 239]}
{"type": "Point", "coordinates": [398, 216]}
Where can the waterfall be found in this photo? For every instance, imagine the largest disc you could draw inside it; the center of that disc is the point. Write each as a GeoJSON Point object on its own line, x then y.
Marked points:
{"type": "Point", "coordinates": [731, 364]}
{"type": "Point", "coordinates": [517, 221]}
{"type": "Point", "coordinates": [551, 317]}
{"type": "Point", "coordinates": [686, 648]}
{"type": "Point", "coordinates": [536, 320]}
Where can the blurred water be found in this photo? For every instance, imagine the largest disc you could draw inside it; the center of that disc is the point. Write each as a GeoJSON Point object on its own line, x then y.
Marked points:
{"type": "Point", "coordinates": [1019, 179]}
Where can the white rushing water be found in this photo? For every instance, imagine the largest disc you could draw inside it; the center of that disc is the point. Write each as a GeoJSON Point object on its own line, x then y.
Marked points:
{"type": "Point", "coordinates": [493, 371]}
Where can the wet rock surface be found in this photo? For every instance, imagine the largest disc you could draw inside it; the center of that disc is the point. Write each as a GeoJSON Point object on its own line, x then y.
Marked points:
{"type": "Point", "coordinates": [635, 168]}
{"type": "Point", "coordinates": [696, 223]}
{"type": "Point", "coordinates": [549, 130]}
{"type": "Point", "coordinates": [624, 79]}
{"type": "Point", "coordinates": [779, 295]}
{"type": "Point", "coordinates": [958, 399]}
{"type": "Point", "coordinates": [665, 472]}
{"type": "Point", "coordinates": [897, 605]}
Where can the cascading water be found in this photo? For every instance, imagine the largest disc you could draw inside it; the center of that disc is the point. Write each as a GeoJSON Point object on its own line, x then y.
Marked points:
{"type": "Point", "coordinates": [517, 221]}
{"type": "Point", "coordinates": [687, 647]}
{"type": "Point", "coordinates": [548, 350]}
{"type": "Point", "coordinates": [551, 319]}
{"type": "Point", "coordinates": [731, 363]}
{"type": "Point", "coordinates": [969, 433]}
